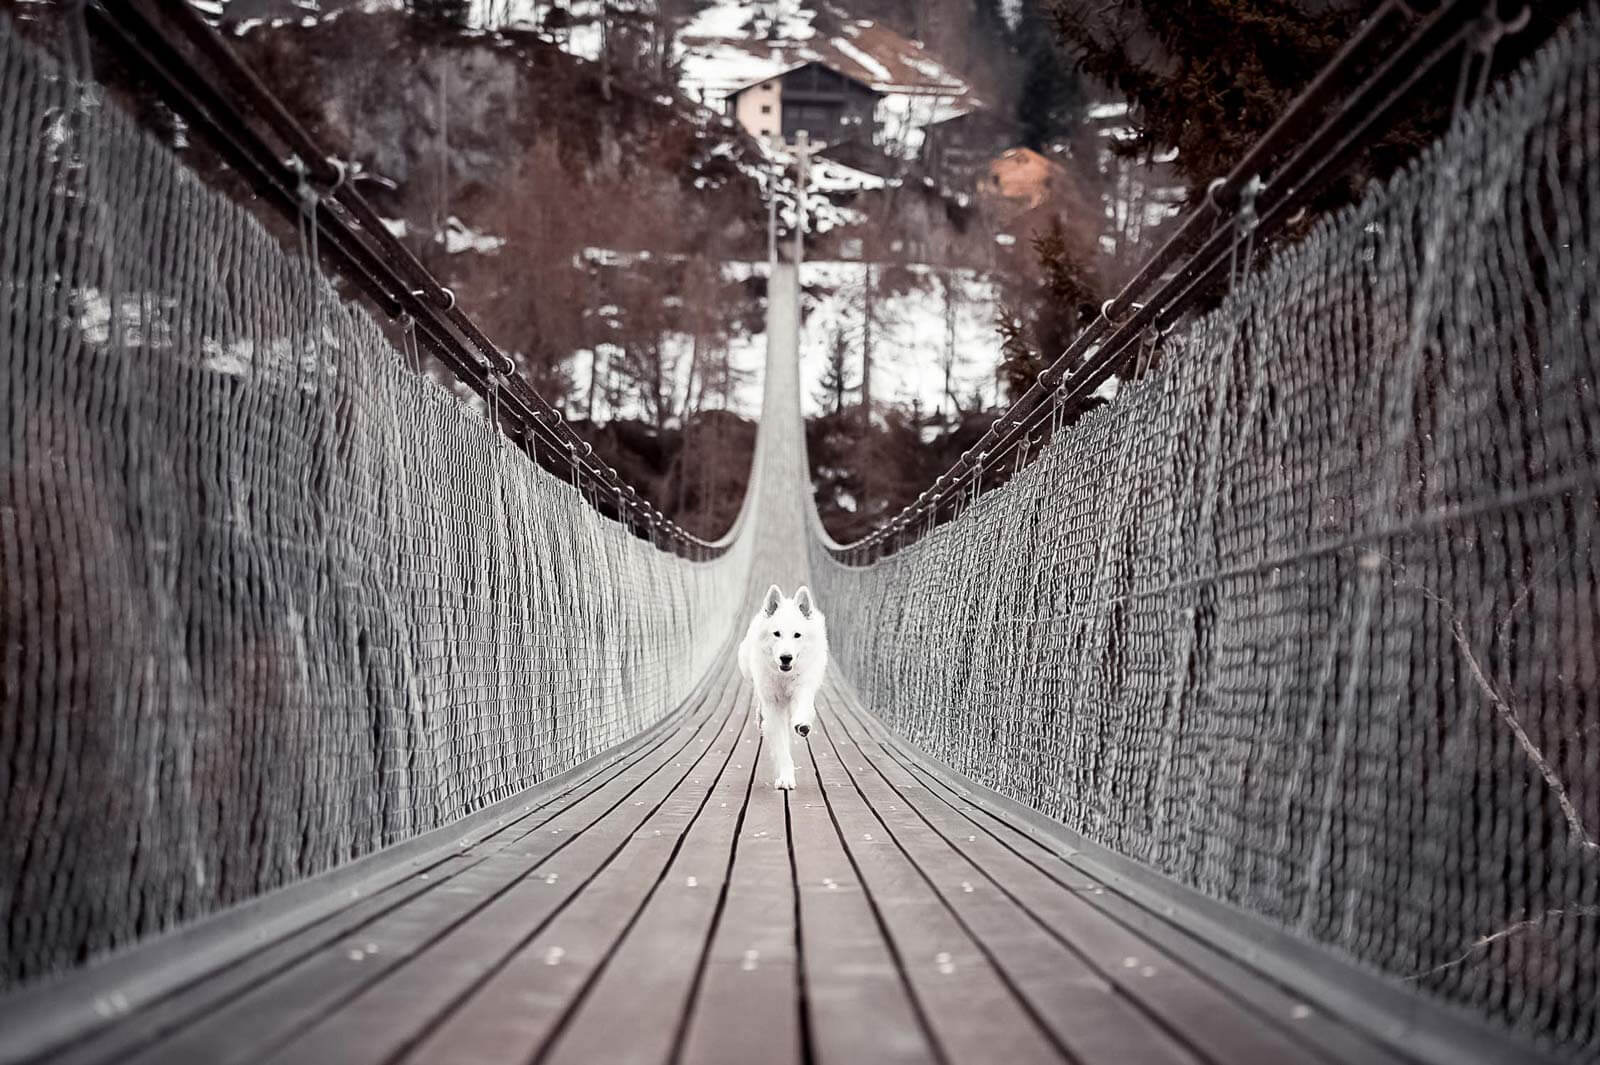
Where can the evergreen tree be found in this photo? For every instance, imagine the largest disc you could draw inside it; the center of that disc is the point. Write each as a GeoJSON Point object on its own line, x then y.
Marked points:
{"type": "Point", "coordinates": [836, 384]}
{"type": "Point", "coordinates": [1049, 96]}
{"type": "Point", "coordinates": [447, 12]}
{"type": "Point", "coordinates": [1209, 77]}
{"type": "Point", "coordinates": [1034, 336]}
{"type": "Point", "coordinates": [987, 21]}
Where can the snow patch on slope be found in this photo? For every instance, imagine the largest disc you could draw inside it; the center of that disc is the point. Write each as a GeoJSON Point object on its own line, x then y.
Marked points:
{"type": "Point", "coordinates": [912, 334]}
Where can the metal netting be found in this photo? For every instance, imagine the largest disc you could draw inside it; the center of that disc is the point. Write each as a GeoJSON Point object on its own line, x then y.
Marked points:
{"type": "Point", "coordinates": [1309, 617]}
{"type": "Point", "coordinates": [268, 598]}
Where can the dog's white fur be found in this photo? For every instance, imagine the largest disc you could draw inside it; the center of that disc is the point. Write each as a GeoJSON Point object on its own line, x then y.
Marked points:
{"type": "Point", "coordinates": [784, 656]}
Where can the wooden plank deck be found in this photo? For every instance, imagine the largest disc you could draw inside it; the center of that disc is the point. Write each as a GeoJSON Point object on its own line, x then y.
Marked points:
{"type": "Point", "coordinates": [670, 907]}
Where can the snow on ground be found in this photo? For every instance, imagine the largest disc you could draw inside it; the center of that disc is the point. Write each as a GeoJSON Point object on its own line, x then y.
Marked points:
{"type": "Point", "coordinates": [746, 352]}
{"type": "Point", "coordinates": [911, 338]}
{"type": "Point", "coordinates": [458, 237]}
{"type": "Point", "coordinates": [902, 117]}
{"type": "Point", "coordinates": [789, 19]}
{"type": "Point", "coordinates": [830, 175]}
{"type": "Point", "coordinates": [910, 342]}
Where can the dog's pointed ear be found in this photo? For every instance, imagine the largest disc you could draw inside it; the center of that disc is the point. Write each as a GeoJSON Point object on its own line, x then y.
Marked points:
{"type": "Point", "coordinates": [769, 605]}
{"type": "Point", "coordinates": [802, 600]}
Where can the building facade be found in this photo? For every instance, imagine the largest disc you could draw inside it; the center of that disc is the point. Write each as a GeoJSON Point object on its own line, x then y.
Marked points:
{"type": "Point", "coordinates": [831, 107]}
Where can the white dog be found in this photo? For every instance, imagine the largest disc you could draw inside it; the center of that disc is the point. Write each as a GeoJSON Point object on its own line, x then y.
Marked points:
{"type": "Point", "coordinates": [784, 655]}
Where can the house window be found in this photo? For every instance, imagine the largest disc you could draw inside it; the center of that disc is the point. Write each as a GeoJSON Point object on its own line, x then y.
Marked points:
{"type": "Point", "coordinates": [768, 87]}
{"type": "Point", "coordinates": [766, 109]}
{"type": "Point", "coordinates": [766, 133]}
{"type": "Point", "coordinates": [817, 118]}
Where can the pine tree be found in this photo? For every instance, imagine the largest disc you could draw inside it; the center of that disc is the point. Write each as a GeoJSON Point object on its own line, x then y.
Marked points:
{"type": "Point", "coordinates": [836, 384]}
{"type": "Point", "coordinates": [1209, 77]}
{"type": "Point", "coordinates": [1049, 96]}
{"type": "Point", "coordinates": [1034, 336]}
{"type": "Point", "coordinates": [987, 21]}
{"type": "Point", "coordinates": [448, 12]}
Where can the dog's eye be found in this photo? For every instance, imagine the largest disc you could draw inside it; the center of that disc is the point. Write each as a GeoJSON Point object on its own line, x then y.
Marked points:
{"type": "Point", "coordinates": [778, 634]}
{"type": "Point", "coordinates": [797, 635]}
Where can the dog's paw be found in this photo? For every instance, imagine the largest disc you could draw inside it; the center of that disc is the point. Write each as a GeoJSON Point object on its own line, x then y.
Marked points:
{"type": "Point", "coordinates": [784, 781]}
{"type": "Point", "coordinates": [803, 729]}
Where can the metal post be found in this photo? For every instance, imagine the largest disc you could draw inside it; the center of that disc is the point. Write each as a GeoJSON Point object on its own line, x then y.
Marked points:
{"type": "Point", "coordinates": [772, 213]}
{"type": "Point", "coordinates": [802, 149]}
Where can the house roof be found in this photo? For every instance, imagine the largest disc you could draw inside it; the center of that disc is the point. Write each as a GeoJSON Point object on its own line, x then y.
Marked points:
{"type": "Point", "coordinates": [727, 63]}
{"type": "Point", "coordinates": [774, 76]}
{"type": "Point", "coordinates": [786, 71]}
{"type": "Point", "coordinates": [975, 115]}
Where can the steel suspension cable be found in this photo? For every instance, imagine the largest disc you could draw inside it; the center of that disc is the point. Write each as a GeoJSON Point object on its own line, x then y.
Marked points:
{"type": "Point", "coordinates": [365, 252]}
{"type": "Point", "coordinates": [1157, 296]}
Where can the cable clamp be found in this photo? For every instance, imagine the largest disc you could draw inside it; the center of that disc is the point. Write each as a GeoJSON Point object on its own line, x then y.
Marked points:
{"type": "Point", "coordinates": [1492, 29]}
{"type": "Point", "coordinates": [1214, 193]}
{"type": "Point", "coordinates": [341, 174]}
{"type": "Point", "coordinates": [1248, 194]}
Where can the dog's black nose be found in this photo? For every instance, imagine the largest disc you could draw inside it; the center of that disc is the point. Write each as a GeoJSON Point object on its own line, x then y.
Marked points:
{"type": "Point", "coordinates": [785, 660]}
{"type": "Point", "coordinates": [804, 730]}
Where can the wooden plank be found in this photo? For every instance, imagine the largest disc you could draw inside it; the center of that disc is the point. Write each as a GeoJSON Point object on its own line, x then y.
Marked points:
{"type": "Point", "coordinates": [748, 1005]}
{"type": "Point", "coordinates": [513, 1014]}
{"type": "Point", "coordinates": [1334, 1004]}
{"type": "Point", "coordinates": [858, 1006]}
{"type": "Point", "coordinates": [171, 1013]}
{"type": "Point", "coordinates": [1208, 1020]}
{"type": "Point", "coordinates": [967, 1003]}
{"type": "Point", "coordinates": [650, 976]}
{"type": "Point", "coordinates": [872, 915]}
{"type": "Point", "coordinates": [1088, 1019]}
{"type": "Point", "coordinates": [437, 923]}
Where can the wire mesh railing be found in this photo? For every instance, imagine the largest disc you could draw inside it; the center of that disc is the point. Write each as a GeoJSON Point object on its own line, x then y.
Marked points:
{"type": "Point", "coordinates": [1306, 617]}
{"type": "Point", "coordinates": [172, 48]}
{"type": "Point", "coordinates": [270, 599]}
{"type": "Point", "coordinates": [1311, 145]}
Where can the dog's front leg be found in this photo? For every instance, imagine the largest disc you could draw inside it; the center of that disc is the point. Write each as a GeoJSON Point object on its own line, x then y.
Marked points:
{"type": "Point", "coordinates": [804, 717]}
{"type": "Point", "coordinates": [775, 733]}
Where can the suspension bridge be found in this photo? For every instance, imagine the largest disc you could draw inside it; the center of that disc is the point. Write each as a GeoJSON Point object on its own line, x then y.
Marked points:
{"type": "Point", "coordinates": [1252, 718]}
